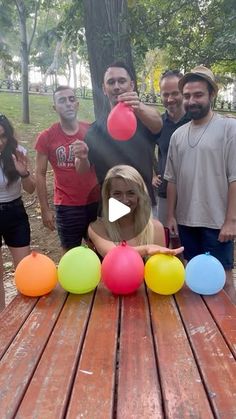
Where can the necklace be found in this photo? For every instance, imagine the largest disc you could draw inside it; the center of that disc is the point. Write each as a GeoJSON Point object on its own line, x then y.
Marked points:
{"type": "Point", "coordinates": [203, 132]}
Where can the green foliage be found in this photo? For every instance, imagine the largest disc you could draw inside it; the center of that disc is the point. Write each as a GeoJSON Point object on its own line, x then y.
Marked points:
{"type": "Point", "coordinates": [59, 23]}
{"type": "Point", "coordinates": [196, 32]}
{"type": "Point", "coordinates": [188, 32]}
{"type": "Point", "coordinates": [225, 67]}
{"type": "Point", "coordinates": [72, 23]}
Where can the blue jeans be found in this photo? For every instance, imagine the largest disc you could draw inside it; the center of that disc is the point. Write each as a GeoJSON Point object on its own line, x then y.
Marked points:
{"type": "Point", "coordinates": [198, 240]}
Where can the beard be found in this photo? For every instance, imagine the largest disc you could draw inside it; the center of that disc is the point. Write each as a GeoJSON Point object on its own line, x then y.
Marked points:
{"type": "Point", "coordinates": [197, 111]}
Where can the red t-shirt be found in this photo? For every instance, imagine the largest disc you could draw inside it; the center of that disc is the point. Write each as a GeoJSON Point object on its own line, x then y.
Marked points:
{"type": "Point", "coordinates": [70, 187]}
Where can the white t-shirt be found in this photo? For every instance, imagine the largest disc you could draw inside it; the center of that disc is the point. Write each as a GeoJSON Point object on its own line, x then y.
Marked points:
{"type": "Point", "coordinates": [9, 193]}
{"type": "Point", "coordinates": [202, 171]}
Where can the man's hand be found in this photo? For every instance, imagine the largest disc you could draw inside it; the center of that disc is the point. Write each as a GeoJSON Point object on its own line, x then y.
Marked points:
{"type": "Point", "coordinates": [172, 225]}
{"type": "Point", "coordinates": [48, 218]}
{"type": "Point", "coordinates": [148, 115]}
{"type": "Point", "coordinates": [228, 231]}
{"type": "Point", "coordinates": [130, 99]}
{"type": "Point", "coordinates": [156, 181]}
{"type": "Point", "coordinates": [80, 150]}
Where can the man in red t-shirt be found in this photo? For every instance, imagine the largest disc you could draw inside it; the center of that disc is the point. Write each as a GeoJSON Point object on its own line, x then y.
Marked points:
{"type": "Point", "coordinates": [76, 195]}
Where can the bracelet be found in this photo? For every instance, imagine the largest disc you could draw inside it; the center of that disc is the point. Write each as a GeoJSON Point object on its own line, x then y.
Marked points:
{"type": "Point", "coordinates": [26, 175]}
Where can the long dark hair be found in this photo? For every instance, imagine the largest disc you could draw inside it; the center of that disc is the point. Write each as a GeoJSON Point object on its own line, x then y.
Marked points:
{"type": "Point", "coordinates": [6, 159]}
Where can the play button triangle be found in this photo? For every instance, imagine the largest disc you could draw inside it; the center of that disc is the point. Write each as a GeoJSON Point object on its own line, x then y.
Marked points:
{"type": "Point", "coordinates": [116, 209]}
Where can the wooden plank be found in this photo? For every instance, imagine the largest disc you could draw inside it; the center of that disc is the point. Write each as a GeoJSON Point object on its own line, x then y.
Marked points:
{"type": "Point", "coordinates": [224, 313]}
{"type": "Point", "coordinates": [21, 358]}
{"type": "Point", "coordinates": [12, 318]}
{"type": "Point", "coordinates": [183, 391]}
{"type": "Point", "coordinates": [93, 389]}
{"type": "Point", "coordinates": [138, 391]}
{"type": "Point", "coordinates": [48, 392]}
{"type": "Point", "coordinates": [214, 358]}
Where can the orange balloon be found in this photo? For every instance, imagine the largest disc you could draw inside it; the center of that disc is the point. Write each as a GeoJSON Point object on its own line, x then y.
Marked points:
{"type": "Point", "coordinates": [35, 275]}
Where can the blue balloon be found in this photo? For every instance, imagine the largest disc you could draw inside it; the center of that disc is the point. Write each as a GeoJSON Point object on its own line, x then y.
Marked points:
{"type": "Point", "coordinates": [205, 275]}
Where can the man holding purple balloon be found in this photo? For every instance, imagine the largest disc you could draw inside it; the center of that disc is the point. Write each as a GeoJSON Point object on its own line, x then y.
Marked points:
{"type": "Point", "coordinates": [104, 151]}
{"type": "Point", "coordinates": [201, 175]}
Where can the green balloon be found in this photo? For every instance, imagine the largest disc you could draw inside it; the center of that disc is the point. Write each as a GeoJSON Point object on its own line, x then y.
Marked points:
{"type": "Point", "coordinates": [79, 270]}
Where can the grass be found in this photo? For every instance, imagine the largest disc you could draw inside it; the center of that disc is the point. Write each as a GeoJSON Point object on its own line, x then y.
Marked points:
{"type": "Point", "coordinates": [42, 115]}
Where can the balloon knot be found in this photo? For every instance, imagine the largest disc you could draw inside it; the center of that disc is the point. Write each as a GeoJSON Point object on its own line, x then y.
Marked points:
{"type": "Point", "coordinates": [123, 243]}
{"type": "Point", "coordinates": [207, 253]}
{"type": "Point", "coordinates": [33, 253]}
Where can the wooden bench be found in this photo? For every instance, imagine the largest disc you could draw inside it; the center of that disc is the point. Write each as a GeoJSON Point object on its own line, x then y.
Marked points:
{"type": "Point", "coordinates": [100, 356]}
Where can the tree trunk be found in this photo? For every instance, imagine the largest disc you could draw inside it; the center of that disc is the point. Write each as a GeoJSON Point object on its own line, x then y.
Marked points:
{"type": "Point", "coordinates": [25, 84]}
{"type": "Point", "coordinates": [107, 38]}
{"type": "Point", "coordinates": [52, 69]}
{"type": "Point", "coordinates": [25, 51]}
{"type": "Point", "coordinates": [74, 71]}
{"type": "Point", "coordinates": [234, 94]}
{"type": "Point", "coordinates": [24, 62]}
{"type": "Point", "coordinates": [80, 75]}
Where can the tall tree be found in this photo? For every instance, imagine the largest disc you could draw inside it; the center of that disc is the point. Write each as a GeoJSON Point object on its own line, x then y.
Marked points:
{"type": "Point", "coordinates": [26, 42]}
{"type": "Point", "coordinates": [107, 39]}
{"type": "Point", "coordinates": [8, 36]}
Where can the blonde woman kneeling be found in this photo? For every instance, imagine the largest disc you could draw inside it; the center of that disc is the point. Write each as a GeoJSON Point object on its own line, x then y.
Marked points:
{"type": "Point", "coordinates": [137, 228]}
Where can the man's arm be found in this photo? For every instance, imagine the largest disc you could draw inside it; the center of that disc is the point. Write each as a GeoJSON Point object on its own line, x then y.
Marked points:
{"type": "Point", "coordinates": [150, 117]}
{"type": "Point", "coordinates": [228, 230]}
{"type": "Point", "coordinates": [147, 114]}
{"type": "Point", "coordinates": [41, 187]}
{"type": "Point", "coordinates": [171, 204]}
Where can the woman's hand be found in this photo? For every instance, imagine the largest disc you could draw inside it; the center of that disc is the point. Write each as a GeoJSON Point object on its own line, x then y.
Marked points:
{"type": "Point", "coordinates": [153, 249]}
{"type": "Point", "coordinates": [20, 162]}
{"type": "Point", "coordinates": [22, 166]}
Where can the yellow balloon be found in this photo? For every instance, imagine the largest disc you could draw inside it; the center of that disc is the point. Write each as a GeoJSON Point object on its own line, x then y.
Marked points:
{"type": "Point", "coordinates": [164, 274]}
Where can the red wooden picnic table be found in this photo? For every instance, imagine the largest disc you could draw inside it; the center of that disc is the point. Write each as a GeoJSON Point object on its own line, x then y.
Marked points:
{"type": "Point", "coordinates": [101, 356]}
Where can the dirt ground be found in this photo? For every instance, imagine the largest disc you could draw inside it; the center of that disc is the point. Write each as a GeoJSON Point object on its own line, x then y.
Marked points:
{"type": "Point", "coordinates": [42, 239]}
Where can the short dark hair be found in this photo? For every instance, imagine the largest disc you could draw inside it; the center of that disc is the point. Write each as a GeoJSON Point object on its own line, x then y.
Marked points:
{"type": "Point", "coordinates": [121, 64]}
{"type": "Point", "coordinates": [61, 88]}
{"type": "Point", "coordinates": [195, 77]}
{"type": "Point", "coordinates": [171, 73]}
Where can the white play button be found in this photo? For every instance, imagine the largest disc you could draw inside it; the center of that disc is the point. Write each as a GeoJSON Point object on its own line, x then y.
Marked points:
{"type": "Point", "coordinates": [116, 209]}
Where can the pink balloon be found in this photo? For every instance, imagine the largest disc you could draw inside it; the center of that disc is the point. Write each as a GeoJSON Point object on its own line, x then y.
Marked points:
{"type": "Point", "coordinates": [121, 122]}
{"type": "Point", "coordinates": [122, 270]}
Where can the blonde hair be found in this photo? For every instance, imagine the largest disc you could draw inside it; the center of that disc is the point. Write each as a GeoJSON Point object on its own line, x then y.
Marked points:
{"type": "Point", "coordinates": [142, 213]}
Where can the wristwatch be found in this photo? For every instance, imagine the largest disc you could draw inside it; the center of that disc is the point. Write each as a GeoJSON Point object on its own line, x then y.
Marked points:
{"type": "Point", "coordinates": [26, 175]}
